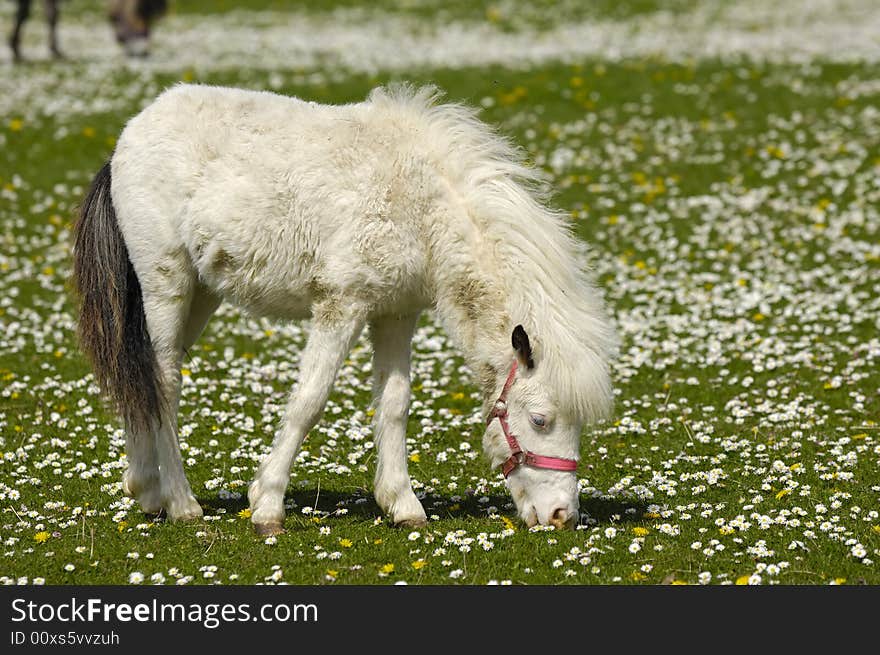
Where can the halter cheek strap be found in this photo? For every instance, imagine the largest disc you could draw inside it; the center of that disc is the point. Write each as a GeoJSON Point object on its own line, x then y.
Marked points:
{"type": "Point", "coordinates": [518, 456]}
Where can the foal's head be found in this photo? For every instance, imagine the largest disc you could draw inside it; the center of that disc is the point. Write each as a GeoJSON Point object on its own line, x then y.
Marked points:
{"type": "Point", "coordinates": [534, 440]}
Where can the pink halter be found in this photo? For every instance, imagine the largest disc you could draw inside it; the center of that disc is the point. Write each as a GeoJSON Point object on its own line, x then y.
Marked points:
{"type": "Point", "coordinates": [518, 456]}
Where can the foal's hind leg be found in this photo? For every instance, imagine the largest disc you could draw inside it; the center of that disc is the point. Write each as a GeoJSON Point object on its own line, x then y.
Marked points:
{"type": "Point", "coordinates": [141, 479]}
{"type": "Point", "coordinates": [391, 338]}
{"type": "Point", "coordinates": [330, 340]}
{"type": "Point", "coordinates": [170, 299]}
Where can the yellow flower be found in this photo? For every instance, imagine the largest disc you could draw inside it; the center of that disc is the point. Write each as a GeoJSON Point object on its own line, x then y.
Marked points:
{"type": "Point", "coordinates": [743, 579]}
{"type": "Point", "coordinates": [508, 523]}
{"type": "Point", "coordinates": [725, 530]}
{"type": "Point", "coordinates": [245, 513]}
{"type": "Point", "coordinates": [414, 457]}
{"type": "Point", "coordinates": [387, 568]}
{"type": "Point", "coordinates": [782, 493]}
{"type": "Point", "coordinates": [332, 573]}
{"type": "Point", "coordinates": [88, 132]}
{"type": "Point", "coordinates": [876, 528]}
{"type": "Point", "coordinates": [16, 124]}
{"type": "Point", "coordinates": [346, 543]}
{"type": "Point", "coordinates": [640, 532]}
{"type": "Point", "coordinates": [518, 93]}
{"type": "Point", "coordinates": [376, 542]}
{"type": "Point", "coordinates": [418, 564]}
{"type": "Point", "coordinates": [775, 151]}
{"type": "Point", "coordinates": [40, 537]}
{"type": "Point", "coordinates": [636, 576]}
{"type": "Point", "coordinates": [679, 583]}
{"type": "Point", "coordinates": [121, 526]}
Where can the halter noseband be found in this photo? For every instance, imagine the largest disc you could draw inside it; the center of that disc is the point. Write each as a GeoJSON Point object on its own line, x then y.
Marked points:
{"type": "Point", "coordinates": [518, 456]}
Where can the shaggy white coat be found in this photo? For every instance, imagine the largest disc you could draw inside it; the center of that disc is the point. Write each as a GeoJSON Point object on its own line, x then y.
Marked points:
{"type": "Point", "coordinates": [365, 213]}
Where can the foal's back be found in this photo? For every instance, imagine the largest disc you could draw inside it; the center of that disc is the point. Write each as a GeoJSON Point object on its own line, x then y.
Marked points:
{"type": "Point", "coordinates": [276, 203]}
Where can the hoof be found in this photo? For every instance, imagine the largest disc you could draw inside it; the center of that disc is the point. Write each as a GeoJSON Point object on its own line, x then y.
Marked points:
{"type": "Point", "coordinates": [190, 511]}
{"type": "Point", "coordinates": [411, 523]}
{"type": "Point", "coordinates": [268, 529]}
{"type": "Point", "coordinates": [187, 518]}
{"type": "Point", "coordinates": [152, 509]}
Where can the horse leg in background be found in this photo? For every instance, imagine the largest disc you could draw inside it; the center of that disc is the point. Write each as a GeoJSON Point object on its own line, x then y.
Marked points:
{"type": "Point", "coordinates": [330, 340]}
{"type": "Point", "coordinates": [392, 337]}
{"type": "Point", "coordinates": [23, 10]}
{"type": "Point", "coordinates": [52, 21]}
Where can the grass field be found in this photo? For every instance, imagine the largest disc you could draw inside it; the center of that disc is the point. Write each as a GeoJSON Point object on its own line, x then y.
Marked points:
{"type": "Point", "coordinates": [722, 161]}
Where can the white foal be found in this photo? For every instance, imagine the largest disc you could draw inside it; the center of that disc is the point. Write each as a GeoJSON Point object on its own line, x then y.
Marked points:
{"type": "Point", "coordinates": [353, 215]}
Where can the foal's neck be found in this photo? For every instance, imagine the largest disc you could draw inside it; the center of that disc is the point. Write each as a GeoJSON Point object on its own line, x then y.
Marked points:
{"type": "Point", "coordinates": [472, 303]}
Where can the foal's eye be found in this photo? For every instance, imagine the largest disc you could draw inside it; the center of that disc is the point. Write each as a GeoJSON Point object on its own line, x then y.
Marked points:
{"type": "Point", "coordinates": [538, 420]}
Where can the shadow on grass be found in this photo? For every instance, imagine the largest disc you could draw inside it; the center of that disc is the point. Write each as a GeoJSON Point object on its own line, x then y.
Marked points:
{"type": "Point", "coordinates": [360, 504]}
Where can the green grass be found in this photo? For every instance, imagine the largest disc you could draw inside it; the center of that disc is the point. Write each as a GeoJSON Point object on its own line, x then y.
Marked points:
{"type": "Point", "coordinates": [730, 208]}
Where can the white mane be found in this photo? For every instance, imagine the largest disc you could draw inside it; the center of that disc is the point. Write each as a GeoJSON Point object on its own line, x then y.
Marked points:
{"type": "Point", "coordinates": [547, 288]}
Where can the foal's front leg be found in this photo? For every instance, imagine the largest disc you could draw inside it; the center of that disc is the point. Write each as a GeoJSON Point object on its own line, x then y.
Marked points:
{"type": "Point", "coordinates": [328, 344]}
{"type": "Point", "coordinates": [391, 338]}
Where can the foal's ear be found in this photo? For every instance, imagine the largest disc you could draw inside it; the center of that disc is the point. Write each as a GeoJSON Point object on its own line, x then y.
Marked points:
{"type": "Point", "coordinates": [522, 347]}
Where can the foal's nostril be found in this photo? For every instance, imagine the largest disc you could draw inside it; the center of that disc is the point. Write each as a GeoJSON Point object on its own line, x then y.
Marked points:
{"type": "Point", "coordinates": [530, 517]}
{"type": "Point", "coordinates": [562, 519]}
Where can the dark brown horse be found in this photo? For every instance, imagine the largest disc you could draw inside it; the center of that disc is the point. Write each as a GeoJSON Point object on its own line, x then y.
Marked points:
{"type": "Point", "coordinates": [131, 20]}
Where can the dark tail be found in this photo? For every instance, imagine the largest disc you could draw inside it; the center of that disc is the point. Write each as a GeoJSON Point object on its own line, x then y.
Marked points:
{"type": "Point", "coordinates": [112, 325]}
